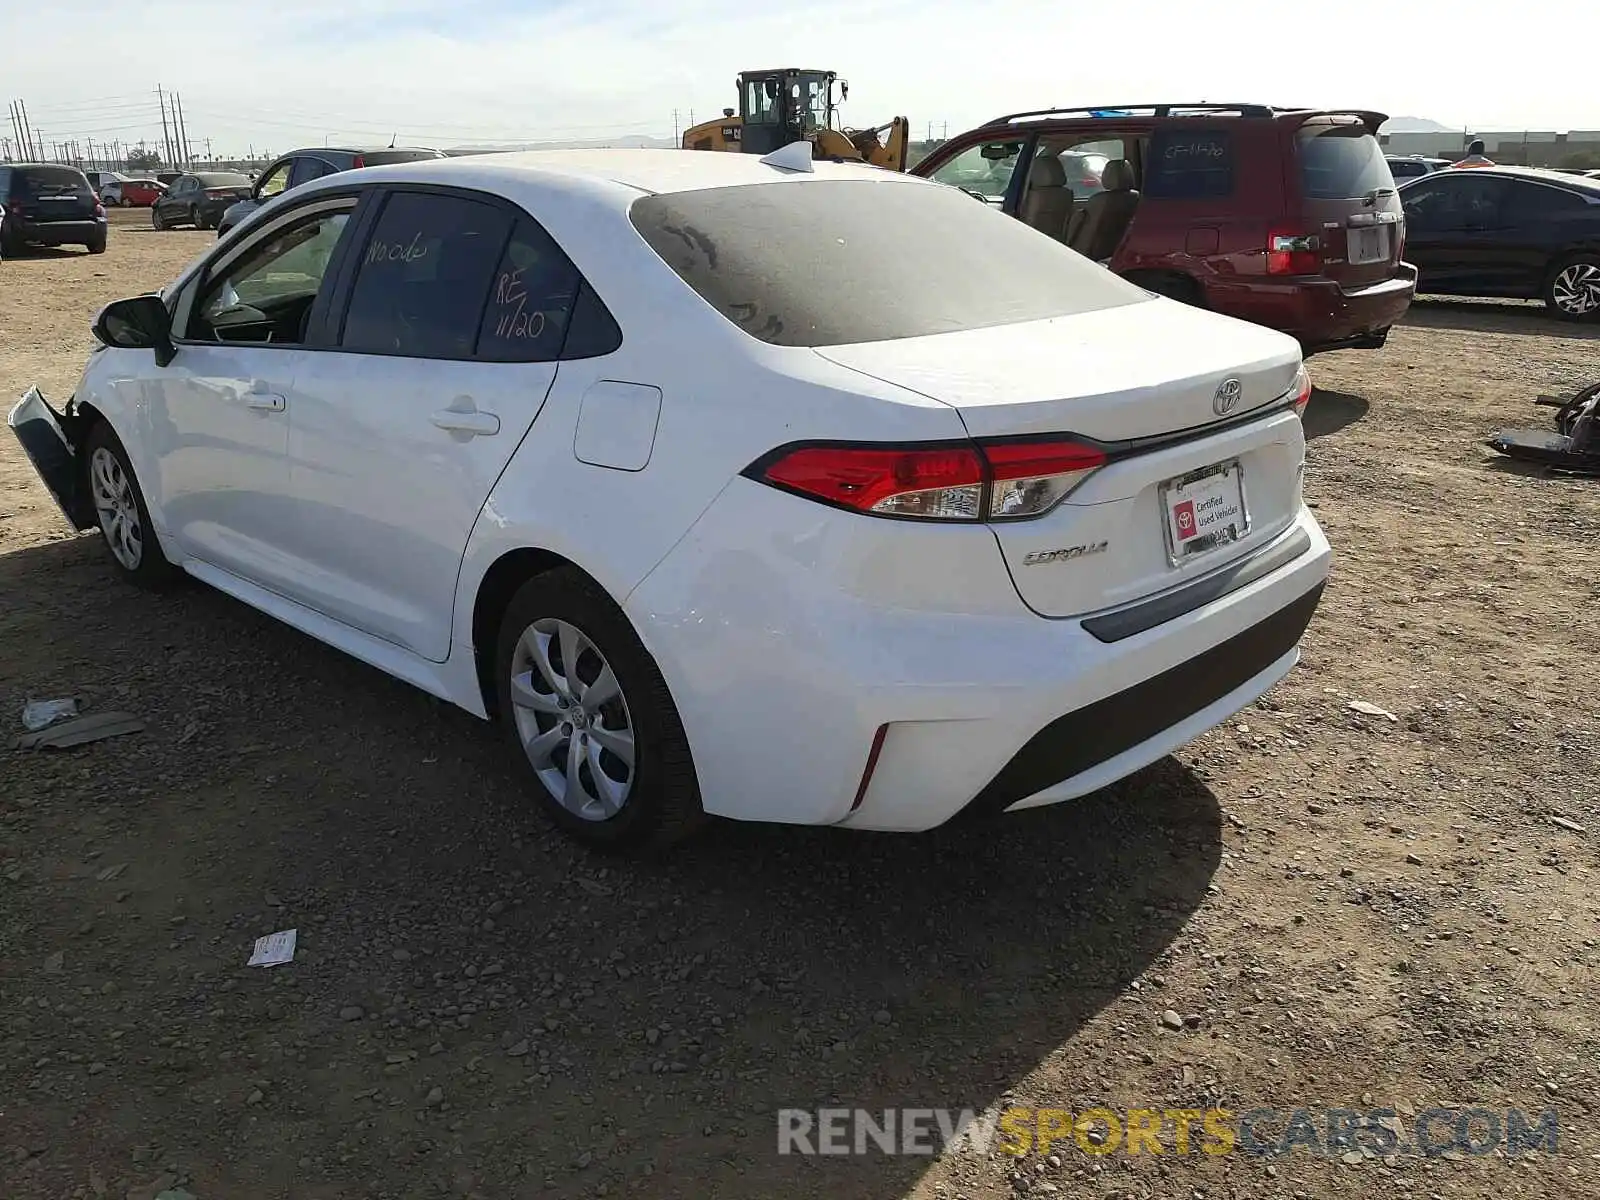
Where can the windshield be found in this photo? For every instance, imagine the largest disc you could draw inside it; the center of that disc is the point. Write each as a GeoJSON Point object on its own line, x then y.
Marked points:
{"type": "Point", "coordinates": [830, 262]}
{"type": "Point", "coordinates": [1341, 162]}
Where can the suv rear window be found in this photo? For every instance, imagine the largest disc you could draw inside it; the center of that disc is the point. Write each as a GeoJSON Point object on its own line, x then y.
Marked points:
{"type": "Point", "coordinates": [217, 179]}
{"type": "Point", "coordinates": [42, 181]}
{"type": "Point", "coordinates": [1189, 164]}
{"type": "Point", "coordinates": [1340, 162]}
{"type": "Point", "coordinates": [829, 262]}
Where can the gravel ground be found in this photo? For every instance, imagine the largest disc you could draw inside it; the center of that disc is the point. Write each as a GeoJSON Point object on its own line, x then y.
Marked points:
{"type": "Point", "coordinates": [1311, 907]}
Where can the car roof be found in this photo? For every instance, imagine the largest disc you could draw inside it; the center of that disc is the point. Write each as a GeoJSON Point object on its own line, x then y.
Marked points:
{"type": "Point", "coordinates": [652, 171]}
{"type": "Point", "coordinates": [1544, 175]}
{"type": "Point", "coordinates": [343, 149]}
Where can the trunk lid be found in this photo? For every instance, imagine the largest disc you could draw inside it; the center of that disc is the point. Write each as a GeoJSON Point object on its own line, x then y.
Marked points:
{"type": "Point", "coordinates": [1143, 380]}
{"type": "Point", "coordinates": [1348, 198]}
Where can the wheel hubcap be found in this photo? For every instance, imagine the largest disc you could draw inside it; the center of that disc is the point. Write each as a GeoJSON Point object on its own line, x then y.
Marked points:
{"type": "Point", "coordinates": [118, 511]}
{"type": "Point", "coordinates": [1577, 289]}
{"type": "Point", "coordinates": [572, 719]}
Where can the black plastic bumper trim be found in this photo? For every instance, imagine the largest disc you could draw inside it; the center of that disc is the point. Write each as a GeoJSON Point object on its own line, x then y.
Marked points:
{"type": "Point", "coordinates": [1125, 622]}
{"type": "Point", "coordinates": [1096, 733]}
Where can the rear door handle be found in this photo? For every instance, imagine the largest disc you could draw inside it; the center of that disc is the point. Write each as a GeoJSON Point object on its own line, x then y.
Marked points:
{"type": "Point", "coordinates": [467, 422]}
{"type": "Point", "coordinates": [270, 401]}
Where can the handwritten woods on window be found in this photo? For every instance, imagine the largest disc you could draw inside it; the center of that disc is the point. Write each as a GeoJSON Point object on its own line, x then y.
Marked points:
{"type": "Point", "coordinates": [512, 320]}
{"type": "Point", "coordinates": [401, 252]}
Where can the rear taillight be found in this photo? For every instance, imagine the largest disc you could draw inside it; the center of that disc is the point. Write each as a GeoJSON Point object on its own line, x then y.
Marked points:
{"type": "Point", "coordinates": [99, 209]}
{"type": "Point", "coordinates": [956, 481]}
{"type": "Point", "coordinates": [1291, 253]}
{"type": "Point", "coordinates": [361, 161]}
{"type": "Point", "coordinates": [15, 208]}
{"type": "Point", "coordinates": [1301, 391]}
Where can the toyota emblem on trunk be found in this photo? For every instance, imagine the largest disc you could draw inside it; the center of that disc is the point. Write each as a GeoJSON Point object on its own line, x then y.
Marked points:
{"type": "Point", "coordinates": [1228, 393]}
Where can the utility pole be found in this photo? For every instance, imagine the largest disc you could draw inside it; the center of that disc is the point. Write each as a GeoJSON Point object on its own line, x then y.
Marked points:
{"type": "Point", "coordinates": [183, 130]}
{"type": "Point", "coordinates": [35, 145]}
{"type": "Point", "coordinates": [16, 127]}
{"type": "Point", "coordinates": [674, 127]}
{"type": "Point", "coordinates": [208, 149]}
{"type": "Point", "coordinates": [166, 140]}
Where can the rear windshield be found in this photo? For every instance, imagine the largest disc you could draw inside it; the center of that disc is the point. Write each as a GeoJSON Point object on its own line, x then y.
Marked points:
{"type": "Point", "coordinates": [836, 261]}
{"type": "Point", "coordinates": [45, 181]}
{"type": "Point", "coordinates": [376, 158]}
{"type": "Point", "coordinates": [1341, 162]}
{"type": "Point", "coordinates": [213, 179]}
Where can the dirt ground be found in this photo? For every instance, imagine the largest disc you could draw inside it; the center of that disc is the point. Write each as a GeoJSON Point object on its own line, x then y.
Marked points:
{"type": "Point", "coordinates": [1337, 910]}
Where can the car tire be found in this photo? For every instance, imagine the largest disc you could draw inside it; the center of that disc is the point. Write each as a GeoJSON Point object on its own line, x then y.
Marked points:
{"type": "Point", "coordinates": [1174, 287]}
{"type": "Point", "coordinates": [96, 247]}
{"type": "Point", "coordinates": [125, 203]}
{"type": "Point", "coordinates": [638, 807]}
{"type": "Point", "coordinates": [195, 219]}
{"type": "Point", "coordinates": [157, 221]}
{"type": "Point", "coordinates": [1572, 288]}
{"type": "Point", "coordinates": [120, 509]}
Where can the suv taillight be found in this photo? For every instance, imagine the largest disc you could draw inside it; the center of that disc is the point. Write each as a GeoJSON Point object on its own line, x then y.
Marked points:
{"type": "Point", "coordinates": [99, 209]}
{"type": "Point", "coordinates": [954, 481]}
{"type": "Point", "coordinates": [361, 161]}
{"type": "Point", "coordinates": [1291, 253]}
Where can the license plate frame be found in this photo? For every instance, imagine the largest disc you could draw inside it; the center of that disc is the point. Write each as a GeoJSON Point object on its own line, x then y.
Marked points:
{"type": "Point", "coordinates": [1358, 239]}
{"type": "Point", "coordinates": [1184, 493]}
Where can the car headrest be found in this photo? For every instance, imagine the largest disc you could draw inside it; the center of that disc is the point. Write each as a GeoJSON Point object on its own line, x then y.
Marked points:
{"type": "Point", "coordinates": [1118, 176]}
{"type": "Point", "coordinates": [1047, 172]}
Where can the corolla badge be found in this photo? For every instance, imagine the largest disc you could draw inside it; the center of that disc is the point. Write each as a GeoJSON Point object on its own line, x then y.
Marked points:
{"type": "Point", "coordinates": [1228, 393]}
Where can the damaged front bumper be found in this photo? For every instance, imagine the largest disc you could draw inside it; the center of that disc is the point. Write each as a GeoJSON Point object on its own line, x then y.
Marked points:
{"type": "Point", "coordinates": [46, 437]}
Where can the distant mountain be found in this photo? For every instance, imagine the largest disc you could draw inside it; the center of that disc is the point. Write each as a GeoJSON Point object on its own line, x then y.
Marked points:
{"type": "Point", "coordinates": [1414, 125]}
{"type": "Point", "coordinates": [631, 141]}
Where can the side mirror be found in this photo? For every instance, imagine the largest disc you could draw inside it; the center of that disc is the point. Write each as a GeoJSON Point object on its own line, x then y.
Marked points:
{"type": "Point", "coordinates": [137, 323]}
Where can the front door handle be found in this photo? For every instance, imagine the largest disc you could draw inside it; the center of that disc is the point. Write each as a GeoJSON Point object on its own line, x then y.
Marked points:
{"type": "Point", "coordinates": [268, 401]}
{"type": "Point", "coordinates": [464, 419]}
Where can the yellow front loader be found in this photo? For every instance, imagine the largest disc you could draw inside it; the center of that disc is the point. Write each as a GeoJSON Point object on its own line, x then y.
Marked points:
{"type": "Point", "coordinates": [789, 105]}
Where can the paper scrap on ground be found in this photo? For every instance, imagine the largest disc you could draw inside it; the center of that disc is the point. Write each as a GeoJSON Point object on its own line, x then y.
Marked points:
{"type": "Point", "coordinates": [274, 950]}
{"type": "Point", "coordinates": [36, 714]}
{"type": "Point", "coordinates": [1372, 710]}
{"type": "Point", "coordinates": [81, 731]}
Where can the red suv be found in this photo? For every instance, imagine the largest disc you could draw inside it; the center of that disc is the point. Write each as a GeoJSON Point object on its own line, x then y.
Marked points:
{"type": "Point", "coordinates": [1285, 217]}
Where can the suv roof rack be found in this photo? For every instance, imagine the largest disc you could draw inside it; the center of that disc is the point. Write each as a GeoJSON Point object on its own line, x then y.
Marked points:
{"type": "Point", "coordinates": [1202, 107]}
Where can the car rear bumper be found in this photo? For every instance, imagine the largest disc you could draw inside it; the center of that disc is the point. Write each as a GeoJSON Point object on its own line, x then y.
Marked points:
{"type": "Point", "coordinates": [1318, 312]}
{"type": "Point", "coordinates": [39, 429]}
{"type": "Point", "coordinates": [818, 708]}
{"type": "Point", "coordinates": [54, 233]}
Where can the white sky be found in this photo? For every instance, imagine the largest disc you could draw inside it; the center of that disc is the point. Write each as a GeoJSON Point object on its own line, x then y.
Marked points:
{"type": "Point", "coordinates": [280, 73]}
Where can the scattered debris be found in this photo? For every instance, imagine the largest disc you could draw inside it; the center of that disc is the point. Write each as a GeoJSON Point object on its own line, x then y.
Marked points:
{"type": "Point", "coordinates": [1171, 1019]}
{"type": "Point", "coordinates": [274, 949]}
{"type": "Point", "coordinates": [1573, 826]}
{"type": "Point", "coordinates": [81, 731]}
{"type": "Point", "coordinates": [36, 714]}
{"type": "Point", "coordinates": [1372, 710]}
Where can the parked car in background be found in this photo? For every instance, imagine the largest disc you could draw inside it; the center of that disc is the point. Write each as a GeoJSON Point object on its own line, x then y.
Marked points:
{"type": "Point", "coordinates": [1508, 231]}
{"type": "Point", "coordinates": [859, 545]}
{"type": "Point", "coordinates": [199, 199]}
{"type": "Point", "coordinates": [132, 193]}
{"type": "Point", "coordinates": [50, 205]}
{"type": "Point", "coordinates": [1285, 217]}
{"type": "Point", "coordinates": [1413, 166]}
{"type": "Point", "coordinates": [168, 178]}
{"type": "Point", "coordinates": [302, 166]}
{"type": "Point", "coordinates": [99, 181]}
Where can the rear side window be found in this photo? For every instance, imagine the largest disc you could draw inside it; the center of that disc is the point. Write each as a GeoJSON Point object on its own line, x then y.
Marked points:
{"type": "Point", "coordinates": [1340, 162]}
{"type": "Point", "coordinates": [828, 262]}
{"type": "Point", "coordinates": [531, 302]}
{"type": "Point", "coordinates": [1189, 164]}
{"type": "Point", "coordinates": [425, 276]}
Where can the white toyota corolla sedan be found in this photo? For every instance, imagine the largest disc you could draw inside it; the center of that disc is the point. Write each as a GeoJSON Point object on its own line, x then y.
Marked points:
{"type": "Point", "coordinates": [729, 485]}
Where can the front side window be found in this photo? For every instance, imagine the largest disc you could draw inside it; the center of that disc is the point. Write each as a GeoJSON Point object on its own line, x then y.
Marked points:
{"type": "Point", "coordinates": [761, 101]}
{"type": "Point", "coordinates": [425, 275]}
{"type": "Point", "coordinates": [831, 262]}
{"type": "Point", "coordinates": [986, 169]}
{"type": "Point", "coordinates": [1455, 201]}
{"type": "Point", "coordinates": [266, 294]}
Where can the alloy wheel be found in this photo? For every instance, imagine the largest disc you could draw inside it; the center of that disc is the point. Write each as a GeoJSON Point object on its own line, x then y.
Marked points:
{"type": "Point", "coordinates": [1576, 289]}
{"type": "Point", "coordinates": [572, 719]}
{"type": "Point", "coordinates": [117, 508]}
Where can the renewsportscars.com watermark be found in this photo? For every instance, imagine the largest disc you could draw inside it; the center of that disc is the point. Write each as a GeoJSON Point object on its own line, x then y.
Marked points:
{"type": "Point", "coordinates": [1019, 1131]}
